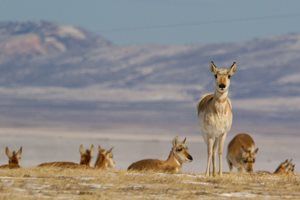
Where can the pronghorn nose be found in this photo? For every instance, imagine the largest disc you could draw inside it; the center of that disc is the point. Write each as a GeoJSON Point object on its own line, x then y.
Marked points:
{"type": "Point", "coordinates": [222, 86]}
{"type": "Point", "coordinates": [190, 157]}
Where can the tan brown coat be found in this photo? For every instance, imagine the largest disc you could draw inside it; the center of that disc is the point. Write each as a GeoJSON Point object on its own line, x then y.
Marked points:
{"type": "Point", "coordinates": [85, 160]}
{"type": "Point", "coordinates": [178, 155]}
{"type": "Point", "coordinates": [13, 159]}
{"type": "Point", "coordinates": [241, 153]}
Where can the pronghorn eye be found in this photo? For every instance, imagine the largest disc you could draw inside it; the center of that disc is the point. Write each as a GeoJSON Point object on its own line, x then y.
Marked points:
{"type": "Point", "coordinates": [229, 76]}
{"type": "Point", "coordinates": [180, 149]}
{"type": "Point", "coordinates": [245, 161]}
{"type": "Point", "coordinates": [216, 76]}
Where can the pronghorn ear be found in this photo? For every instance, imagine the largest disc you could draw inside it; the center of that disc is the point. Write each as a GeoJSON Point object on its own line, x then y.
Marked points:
{"type": "Point", "coordinates": [256, 150]}
{"type": "Point", "coordinates": [233, 69]}
{"type": "Point", "coordinates": [213, 67]}
{"type": "Point", "coordinates": [81, 149]}
{"type": "Point", "coordinates": [109, 151]}
{"type": "Point", "coordinates": [19, 153]}
{"type": "Point", "coordinates": [184, 140]}
{"type": "Point", "coordinates": [7, 152]}
{"type": "Point", "coordinates": [175, 141]}
{"type": "Point", "coordinates": [92, 148]}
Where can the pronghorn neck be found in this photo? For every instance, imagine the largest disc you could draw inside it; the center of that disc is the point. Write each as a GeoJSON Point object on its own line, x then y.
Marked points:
{"type": "Point", "coordinates": [220, 97]}
{"type": "Point", "coordinates": [173, 160]}
{"type": "Point", "coordinates": [101, 163]}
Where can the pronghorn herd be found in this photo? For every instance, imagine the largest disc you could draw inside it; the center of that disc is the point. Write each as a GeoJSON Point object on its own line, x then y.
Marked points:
{"type": "Point", "coordinates": [215, 119]}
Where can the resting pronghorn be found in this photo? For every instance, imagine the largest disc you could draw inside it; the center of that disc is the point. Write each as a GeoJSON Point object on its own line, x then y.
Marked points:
{"type": "Point", "coordinates": [241, 153]}
{"type": "Point", "coordinates": [85, 159]}
{"type": "Point", "coordinates": [215, 115]}
{"type": "Point", "coordinates": [13, 158]}
{"type": "Point", "coordinates": [286, 167]}
{"type": "Point", "coordinates": [104, 159]}
{"type": "Point", "coordinates": [178, 155]}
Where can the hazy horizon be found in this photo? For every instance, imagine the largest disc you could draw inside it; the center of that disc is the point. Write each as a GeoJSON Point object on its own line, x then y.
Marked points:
{"type": "Point", "coordinates": [174, 22]}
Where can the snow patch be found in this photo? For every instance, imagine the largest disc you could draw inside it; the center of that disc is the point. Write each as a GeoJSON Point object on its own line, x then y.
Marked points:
{"type": "Point", "coordinates": [71, 31]}
{"type": "Point", "coordinates": [238, 194]}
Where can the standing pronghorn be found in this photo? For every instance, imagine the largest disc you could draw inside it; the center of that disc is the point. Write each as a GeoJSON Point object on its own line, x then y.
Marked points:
{"type": "Point", "coordinates": [215, 114]}
{"type": "Point", "coordinates": [13, 158]}
{"type": "Point", "coordinates": [241, 153]}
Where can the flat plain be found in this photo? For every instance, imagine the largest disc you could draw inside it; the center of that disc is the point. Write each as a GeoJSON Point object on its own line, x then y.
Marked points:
{"type": "Point", "coordinates": [52, 183]}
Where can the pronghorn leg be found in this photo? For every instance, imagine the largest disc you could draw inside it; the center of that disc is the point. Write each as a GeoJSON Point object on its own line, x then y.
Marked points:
{"type": "Point", "coordinates": [214, 161]}
{"type": "Point", "coordinates": [210, 143]}
{"type": "Point", "coordinates": [221, 144]}
{"type": "Point", "coordinates": [230, 165]}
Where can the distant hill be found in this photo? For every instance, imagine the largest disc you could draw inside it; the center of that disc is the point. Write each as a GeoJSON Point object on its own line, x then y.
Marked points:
{"type": "Point", "coordinates": [49, 71]}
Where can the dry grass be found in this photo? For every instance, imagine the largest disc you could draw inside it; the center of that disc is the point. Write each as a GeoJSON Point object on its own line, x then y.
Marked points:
{"type": "Point", "coordinates": [49, 183]}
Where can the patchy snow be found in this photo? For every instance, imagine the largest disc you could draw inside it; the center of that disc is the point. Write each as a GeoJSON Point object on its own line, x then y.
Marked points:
{"type": "Point", "coordinates": [197, 183]}
{"type": "Point", "coordinates": [71, 31]}
{"type": "Point", "coordinates": [56, 44]}
{"type": "Point", "coordinates": [238, 194]}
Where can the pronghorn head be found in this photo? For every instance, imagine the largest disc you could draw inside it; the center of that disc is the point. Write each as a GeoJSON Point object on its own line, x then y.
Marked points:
{"type": "Point", "coordinates": [13, 157]}
{"type": "Point", "coordinates": [286, 167]}
{"type": "Point", "coordinates": [180, 150]}
{"type": "Point", "coordinates": [86, 155]}
{"type": "Point", "coordinates": [248, 158]}
{"type": "Point", "coordinates": [105, 159]}
{"type": "Point", "coordinates": [222, 76]}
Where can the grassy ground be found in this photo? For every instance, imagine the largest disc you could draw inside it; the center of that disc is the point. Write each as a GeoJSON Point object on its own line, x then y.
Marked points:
{"type": "Point", "coordinates": [50, 183]}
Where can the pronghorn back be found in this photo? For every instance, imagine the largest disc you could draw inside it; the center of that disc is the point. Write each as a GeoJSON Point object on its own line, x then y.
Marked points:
{"type": "Point", "coordinates": [59, 164]}
{"type": "Point", "coordinates": [85, 159]}
{"type": "Point", "coordinates": [150, 165]}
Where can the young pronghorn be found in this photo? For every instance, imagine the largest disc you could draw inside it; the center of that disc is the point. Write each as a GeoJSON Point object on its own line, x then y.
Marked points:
{"type": "Point", "coordinates": [85, 159]}
{"type": "Point", "coordinates": [178, 155]}
{"type": "Point", "coordinates": [241, 153]}
{"type": "Point", "coordinates": [215, 115]}
{"type": "Point", "coordinates": [104, 159]}
{"type": "Point", "coordinates": [13, 158]}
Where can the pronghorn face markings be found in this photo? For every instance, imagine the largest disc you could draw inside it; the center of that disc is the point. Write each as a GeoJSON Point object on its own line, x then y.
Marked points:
{"type": "Point", "coordinates": [180, 151]}
{"type": "Point", "coordinates": [13, 157]}
{"type": "Point", "coordinates": [248, 158]}
{"type": "Point", "coordinates": [222, 76]}
{"type": "Point", "coordinates": [86, 155]}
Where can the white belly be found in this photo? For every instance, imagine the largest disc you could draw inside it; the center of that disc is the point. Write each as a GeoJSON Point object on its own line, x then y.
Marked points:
{"type": "Point", "coordinates": [213, 125]}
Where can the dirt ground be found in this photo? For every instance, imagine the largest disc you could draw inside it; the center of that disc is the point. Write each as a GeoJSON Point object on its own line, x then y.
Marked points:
{"type": "Point", "coordinates": [50, 183]}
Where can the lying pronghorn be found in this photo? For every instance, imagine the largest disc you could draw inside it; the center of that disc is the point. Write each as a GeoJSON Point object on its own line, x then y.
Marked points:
{"type": "Point", "coordinates": [13, 158]}
{"type": "Point", "coordinates": [284, 168]}
{"type": "Point", "coordinates": [178, 155]}
{"type": "Point", "coordinates": [85, 159]}
{"type": "Point", "coordinates": [104, 159]}
{"type": "Point", "coordinates": [215, 115]}
{"type": "Point", "coordinates": [241, 153]}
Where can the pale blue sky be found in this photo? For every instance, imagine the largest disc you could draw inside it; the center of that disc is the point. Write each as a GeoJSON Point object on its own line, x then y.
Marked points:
{"type": "Point", "coordinates": [212, 20]}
